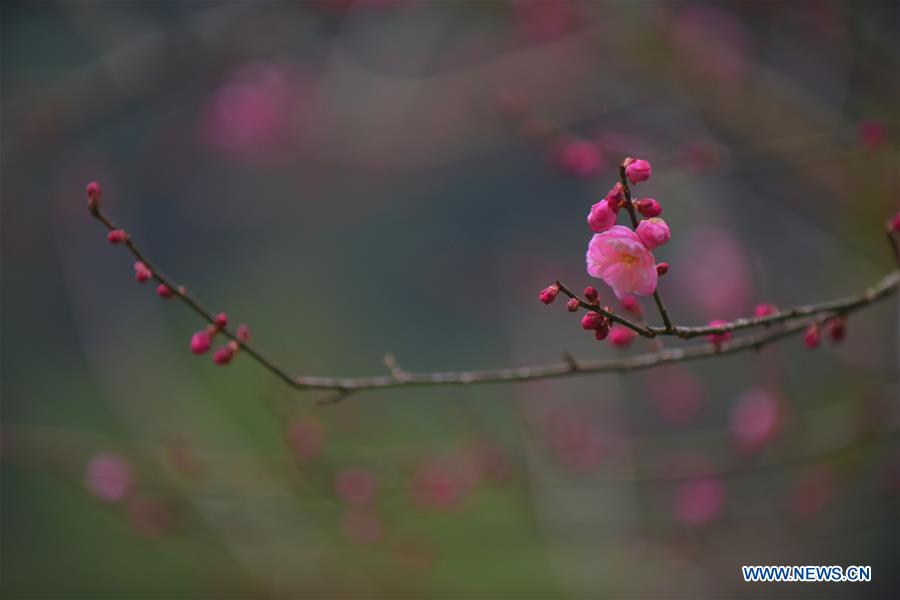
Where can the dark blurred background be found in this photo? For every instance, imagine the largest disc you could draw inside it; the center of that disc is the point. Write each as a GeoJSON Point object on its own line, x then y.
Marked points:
{"type": "Point", "coordinates": [354, 178]}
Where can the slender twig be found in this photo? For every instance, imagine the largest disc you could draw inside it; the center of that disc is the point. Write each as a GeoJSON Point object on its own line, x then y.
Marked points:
{"type": "Point", "coordinates": [340, 388]}
{"type": "Point", "coordinates": [629, 206]}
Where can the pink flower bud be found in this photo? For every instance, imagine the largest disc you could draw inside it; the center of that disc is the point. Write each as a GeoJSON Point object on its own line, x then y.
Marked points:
{"type": "Point", "coordinates": [765, 310]}
{"type": "Point", "coordinates": [93, 195]}
{"type": "Point", "coordinates": [837, 329]}
{"type": "Point", "coordinates": [812, 338]}
{"type": "Point", "coordinates": [590, 294]}
{"type": "Point", "coordinates": [638, 170]}
{"type": "Point", "coordinates": [601, 332]}
{"type": "Point", "coordinates": [581, 158]}
{"type": "Point", "coordinates": [141, 272]}
{"type": "Point", "coordinates": [719, 338]}
{"type": "Point", "coordinates": [116, 236]}
{"type": "Point", "coordinates": [653, 232]}
{"type": "Point", "coordinates": [572, 305]}
{"type": "Point", "coordinates": [620, 336]}
{"type": "Point", "coordinates": [648, 207]}
{"type": "Point", "coordinates": [223, 355]}
{"type": "Point", "coordinates": [616, 196]}
{"type": "Point", "coordinates": [221, 321]}
{"type": "Point", "coordinates": [548, 294]}
{"type": "Point", "coordinates": [163, 291]}
{"type": "Point", "coordinates": [200, 342]}
{"type": "Point", "coordinates": [593, 321]}
{"type": "Point", "coordinates": [601, 217]}
{"type": "Point", "coordinates": [631, 304]}
{"type": "Point", "coordinates": [662, 268]}
{"type": "Point", "coordinates": [243, 333]}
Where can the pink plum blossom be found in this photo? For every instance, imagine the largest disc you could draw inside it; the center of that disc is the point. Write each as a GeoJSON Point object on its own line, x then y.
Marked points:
{"type": "Point", "coordinates": [619, 258]}
{"type": "Point", "coordinates": [621, 337]}
{"type": "Point", "coordinates": [653, 232]}
{"type": "Point", "coordinates": [602, 216]}
{"type": "Point", "coordinates": [108, 476]}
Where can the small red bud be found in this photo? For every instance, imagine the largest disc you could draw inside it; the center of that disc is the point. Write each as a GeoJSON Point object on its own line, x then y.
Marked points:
{"type": "Point", "coordinates": [719, 338]}
{"type": "Point", "coordinates": [648, 207]}
{"type": "Point", "coordinates": [223, 355]}
{"type": "Point", "coordinates": [590, 294]}
{"type": "Point", "coordinates": [765, 310]}
{"type": "Point", "coordinates": [601, 332]}
{"type": "Point", "coordinates": [837, 329]}
{"type": "Point", "coordinates": [548, 294]}
{"type": "Point", "coordinates": [221, 321]}
{"type": "Point", "coordinates": [200, 342]}
{"type": "Point", "coordinates": [93, 195]}
{"type": "Point", "coordinates": [594, 321]}
{"type": "Point", "coordinates": [662, 268]}
{"type": "Point", "coordinates": [812, 338]}
{"type": "Point", "coordinates": [116, 236]}
{"type": "Point", "coordinates": [141, 272]}
{"type": "Point", "coordinates": [163, 291]}
{"type": "Point", "coordinates": [243, 333]}
{"type": "Point", "coordinates": [572, 305]}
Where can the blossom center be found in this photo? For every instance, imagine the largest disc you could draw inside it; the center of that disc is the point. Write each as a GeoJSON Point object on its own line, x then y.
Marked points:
{"type": "Point", "coordinates": [628, 260]}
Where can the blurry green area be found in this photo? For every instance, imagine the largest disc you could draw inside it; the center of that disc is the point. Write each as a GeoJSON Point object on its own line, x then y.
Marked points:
{"type": "Point", "coordinates": [405, 216]}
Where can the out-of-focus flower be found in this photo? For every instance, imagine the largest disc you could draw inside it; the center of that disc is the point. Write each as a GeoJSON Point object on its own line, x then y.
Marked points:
{"type": "Point", "coordinates": [355, 486]}
{"type": "Point", "coordinates": [108, 477]}
{"type": "Point", "coordinates": [441, 485]}
{"type": "Point", "coordinates": [871, 134]}
{"type": "Point", "coordinates": [259, 113]}
{"type": "Point", "coordinates": [755, 418]}
{"type": "Point", "coordinates": [621, 337]}
{"type": "Point", "coordinates": [714, 272]}
{"type": "Point", "coordinates": [580, 158]}
{"type": "Point", "coordinates": [543, 20]}
{"type": "Point", "coordinates": [141, 272]}
{"type": "Point", "coordinates": [836, 328]}
{"type": "Point", "coordinates": [200, 342]}
{"type": "Point", "coordinates": [306, 437]}
{"type": "Point", "coordinates": [619, 258]}
{"type": "Point", "coordinates": [699, 500]}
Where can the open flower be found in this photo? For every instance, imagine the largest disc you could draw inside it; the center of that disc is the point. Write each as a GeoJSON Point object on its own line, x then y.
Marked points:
{"type": "Point", "coordinates": [619, 258]}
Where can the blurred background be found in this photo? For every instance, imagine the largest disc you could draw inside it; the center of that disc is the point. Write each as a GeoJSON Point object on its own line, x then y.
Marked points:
{"type": "Point", "coordinates": [355, 178]}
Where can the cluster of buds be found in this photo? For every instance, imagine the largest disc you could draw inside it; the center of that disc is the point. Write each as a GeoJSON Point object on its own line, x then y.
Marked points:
{"type": "Point", "coordinates": [201, 342]}
{"type": "Point", "coordinates": [618, 255]}
{"type": "Point", "coordinates": [595, 321]}
{"type": "Point", "coordinates": [835, 328]}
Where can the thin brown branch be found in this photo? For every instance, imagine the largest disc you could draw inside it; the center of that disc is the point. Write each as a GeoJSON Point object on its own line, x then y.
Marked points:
{"type": "Point", "coordinates": [340, 388]}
